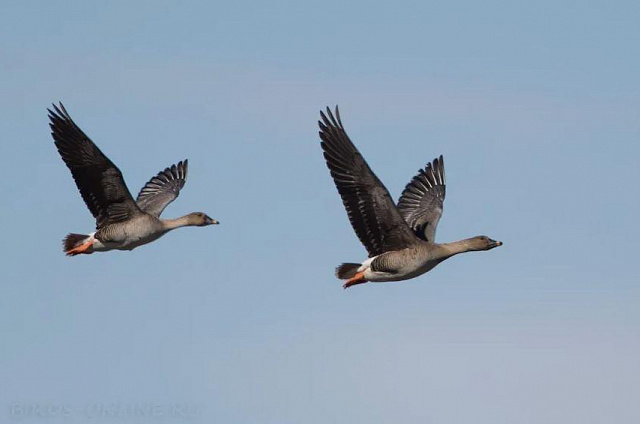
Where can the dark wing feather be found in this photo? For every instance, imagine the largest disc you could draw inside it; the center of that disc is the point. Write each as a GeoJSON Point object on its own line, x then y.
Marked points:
{"type": "Point", "coordinates": [162, 189]}
{"type": "Point", "coordinates": [99, 181]}
{"type": "Point", "coordinates": [423, 198]}
{"type": "Point", "coordinates": [372, 213]}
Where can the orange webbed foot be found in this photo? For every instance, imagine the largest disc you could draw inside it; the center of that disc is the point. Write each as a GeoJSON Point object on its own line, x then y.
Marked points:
{"type": "Point", "coordinates": [356, 279]}
{"type": "Point", "coordinates": [86, 248]}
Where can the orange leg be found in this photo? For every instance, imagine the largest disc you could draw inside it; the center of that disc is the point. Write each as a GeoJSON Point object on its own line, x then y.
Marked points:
{"type": "Point", "coordinates": [356, 279]}
{"type": "Point", "coordinates": [83, 248]}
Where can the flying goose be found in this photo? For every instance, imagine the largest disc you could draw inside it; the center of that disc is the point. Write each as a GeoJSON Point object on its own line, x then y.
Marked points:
{"type": "Point", "coordinates": [400, 239]}
{"type": "Point", "coordinates": [121, 222]}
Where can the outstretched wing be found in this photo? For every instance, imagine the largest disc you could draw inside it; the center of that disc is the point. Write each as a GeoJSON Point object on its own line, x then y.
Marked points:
{"type": "Point", "coordinates": [163, 189]}
{"type": "Point", "coordinates": [422, 200]}
{"type": "Point", "coordinates": [372, 213]}
{"type": "Point", "coordinates": [99, 181]}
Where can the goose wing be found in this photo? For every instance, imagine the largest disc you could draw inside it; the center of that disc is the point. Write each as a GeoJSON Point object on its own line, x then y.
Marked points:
{"type": "Point", "coordinates": [99, 181]}
{"type": "Point", "coordinates": [422, 200]}
{"type": "Point", "coordinates": [372, 213]}
{"type": "Point", "coordinates": [163, 189]}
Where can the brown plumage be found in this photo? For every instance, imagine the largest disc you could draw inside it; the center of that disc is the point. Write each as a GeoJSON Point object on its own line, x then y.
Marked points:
{"type": "Point", "coordinates": [99, 181]}
{"type": "Point", "coordinates": [73, 240]}
{"type": "Point", "coordinates": [121, 222]}
{"type": "Point", "coordinates": [372, 213]}
{"type": "Point", "coordinates": [422, 200]}
{"type": "Point", "coordinates": [400, 240]}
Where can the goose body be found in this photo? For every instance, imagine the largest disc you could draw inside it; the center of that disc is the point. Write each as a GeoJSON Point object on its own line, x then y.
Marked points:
{"type": "Point", "coordinates": [400, 239]}
{"type": "Point", "coordinates": [398, 265]}
{"type": "Point", "coordinates": [122, 223]}
{"type": "Point", "coordinates": [129, 234]}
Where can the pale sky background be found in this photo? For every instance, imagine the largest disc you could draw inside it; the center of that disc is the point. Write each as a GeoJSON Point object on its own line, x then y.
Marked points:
{"type": "Point", "coordinates": [535, 106]}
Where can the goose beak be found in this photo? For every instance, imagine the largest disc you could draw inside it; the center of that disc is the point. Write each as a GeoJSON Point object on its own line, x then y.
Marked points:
{"type": "Point", "coordinates": [498, 243]}
{"type": "Point", "coordinates": [212, 221]}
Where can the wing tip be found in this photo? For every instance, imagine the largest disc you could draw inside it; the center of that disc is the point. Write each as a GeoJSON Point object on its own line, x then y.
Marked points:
{"type": "Point", "coordinates": [434, 171]}
{"type": "Point", "coordinates": [328, 119]}
{"type": "Point", "coordinates": [183, 167]}
{"type": "Point", "coordinates": [58, 111]}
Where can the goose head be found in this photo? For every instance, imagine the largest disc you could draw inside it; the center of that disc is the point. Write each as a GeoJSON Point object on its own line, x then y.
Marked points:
{"type": "Point", "coordinates": [482, 243]}
{"type": "Point", "coordinates": [201, 219]}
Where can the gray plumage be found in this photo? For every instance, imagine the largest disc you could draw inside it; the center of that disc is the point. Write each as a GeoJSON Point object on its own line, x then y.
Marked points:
{"type": "Point", "coordinates": [99, 181]}
{"type": "Point", "coordinates": [121, 222]}
{"type": "Point", "coordinates": [400, 240]}
{"type": "Point", "coordinates": [422, 200]}
{"type": "Point", "coordinates": [347, 270]}
{"type": "Point", "coordinates": [371, 211]}
{"type": "Point", "coordinates": [163, 189]}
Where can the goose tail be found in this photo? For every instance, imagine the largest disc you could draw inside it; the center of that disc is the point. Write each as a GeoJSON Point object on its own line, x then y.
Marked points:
{"type": "Point", "coordinates": [74, 244]}
{"type": "Point", "coordinates": [347, 270]}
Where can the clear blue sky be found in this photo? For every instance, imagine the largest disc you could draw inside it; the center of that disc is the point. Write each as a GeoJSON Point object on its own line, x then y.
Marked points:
{"type": "Point", "coordinates": [535, 106]}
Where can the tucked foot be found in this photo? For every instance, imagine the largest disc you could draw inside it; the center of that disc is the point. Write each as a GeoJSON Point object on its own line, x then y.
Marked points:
{"type": "Point", "coordinates": [356, 279]}
{"type": "Point", "coordinates": [83, 248]}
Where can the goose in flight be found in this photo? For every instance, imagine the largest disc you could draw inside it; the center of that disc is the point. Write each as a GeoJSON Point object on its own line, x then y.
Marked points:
{"type": "Point", "coordinates": [400, 239]}
{"type": "Point", "coordinates": [121, 222]}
